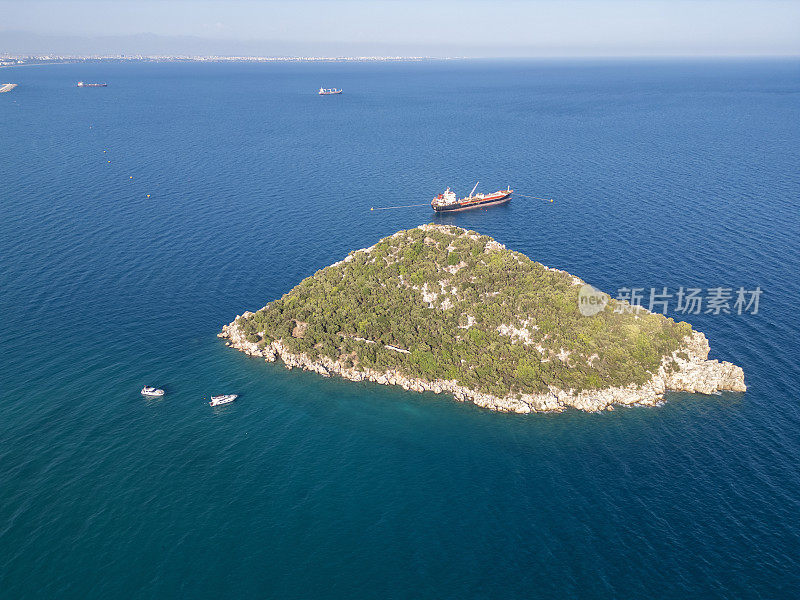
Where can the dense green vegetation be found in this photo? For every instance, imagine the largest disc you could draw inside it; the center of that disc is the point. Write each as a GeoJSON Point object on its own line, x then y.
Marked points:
{"type": "Point", "coordinates": [377, 296]}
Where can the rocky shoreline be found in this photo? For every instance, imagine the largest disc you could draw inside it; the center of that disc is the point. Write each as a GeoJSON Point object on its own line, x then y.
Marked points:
{"type": "Point", "coordinates": [686, 370]}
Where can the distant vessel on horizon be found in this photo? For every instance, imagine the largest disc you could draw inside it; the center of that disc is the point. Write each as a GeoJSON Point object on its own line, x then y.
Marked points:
{"type": "Point", "coordinates": [329, 91]}
{"type": "Point", "coordinates": [447, 201]}
{"type": "Point", "coordinates": [84, 84]}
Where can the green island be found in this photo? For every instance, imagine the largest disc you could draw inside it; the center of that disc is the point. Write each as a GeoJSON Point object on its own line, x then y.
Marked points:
{"type": "Point", "coordinates": [443, 309]}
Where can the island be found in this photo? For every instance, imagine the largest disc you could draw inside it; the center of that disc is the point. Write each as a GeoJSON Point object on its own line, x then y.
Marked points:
{"type": "Point", "coordinates": [442, 309]}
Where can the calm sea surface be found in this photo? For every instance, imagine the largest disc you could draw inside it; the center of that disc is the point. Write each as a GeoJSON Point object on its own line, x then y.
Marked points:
{"type": "Point", "coordinates": [138, 219]}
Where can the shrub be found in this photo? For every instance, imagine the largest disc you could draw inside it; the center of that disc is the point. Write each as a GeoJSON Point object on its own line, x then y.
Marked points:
{"type": "Point", "coordinates": [377, 296]}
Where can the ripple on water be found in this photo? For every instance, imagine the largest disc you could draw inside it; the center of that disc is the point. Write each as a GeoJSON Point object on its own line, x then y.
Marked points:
{"type": "Point", "coordinates": [669, 174]}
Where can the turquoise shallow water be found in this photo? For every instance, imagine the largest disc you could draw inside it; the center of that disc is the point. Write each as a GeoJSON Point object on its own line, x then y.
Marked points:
{"type": "Point", "coordinates": [664, 174]}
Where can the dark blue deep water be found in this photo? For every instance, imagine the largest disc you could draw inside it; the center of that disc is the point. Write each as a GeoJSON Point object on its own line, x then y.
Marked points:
{"type": "Point", "coordinates": [663, 174]}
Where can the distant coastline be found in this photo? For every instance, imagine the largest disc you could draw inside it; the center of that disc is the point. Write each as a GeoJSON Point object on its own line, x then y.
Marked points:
{"type": "Point", "coordinates": [23, 60]}
{"type": "Point", "coordinates": [34, 64]}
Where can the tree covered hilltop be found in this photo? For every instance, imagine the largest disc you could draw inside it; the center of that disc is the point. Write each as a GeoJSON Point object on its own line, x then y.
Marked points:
{"type": "Point", "coordinates": [448, 310]}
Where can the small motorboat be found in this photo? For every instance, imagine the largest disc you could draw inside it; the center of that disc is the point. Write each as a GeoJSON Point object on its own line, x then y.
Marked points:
{"type": "Point", "coordinates": [220, 400]}
{"type": "Point", "coordinates": [151, 391]}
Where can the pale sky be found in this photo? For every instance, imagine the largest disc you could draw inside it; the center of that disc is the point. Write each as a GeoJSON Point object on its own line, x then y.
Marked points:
{"type": "Point", "coordinates": [434, 27]}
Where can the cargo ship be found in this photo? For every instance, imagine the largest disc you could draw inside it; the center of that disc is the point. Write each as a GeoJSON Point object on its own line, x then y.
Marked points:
{"type": "Point", "coordinates": [329, 91]}
{"type": "Point", "coordinates": [447, 201]}
{"type": "Point", "coordinates": [83, 84]}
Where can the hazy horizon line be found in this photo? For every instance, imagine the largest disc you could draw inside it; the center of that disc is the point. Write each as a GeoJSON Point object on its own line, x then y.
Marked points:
{"type": "Point", "coordinates": [26, 43]}
{"type": "Point", "coordinates": [234, 57]}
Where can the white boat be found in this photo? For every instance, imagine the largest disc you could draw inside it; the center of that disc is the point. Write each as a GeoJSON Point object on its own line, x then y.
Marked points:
{"type": "Point", "coordinates": [329, 91]}
{"type": "Point", "coordinates": [151, 391]}
{"type": "Point", "coordinates": [220, 400]}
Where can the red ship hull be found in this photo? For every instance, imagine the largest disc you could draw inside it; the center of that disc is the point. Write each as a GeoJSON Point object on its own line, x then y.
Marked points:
{"type": "Point", "coordinates": [467, 203]}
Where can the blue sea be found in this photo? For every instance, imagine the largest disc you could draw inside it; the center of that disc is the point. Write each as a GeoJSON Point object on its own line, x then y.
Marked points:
{"type": "Point", "coordinates": [137, 219]}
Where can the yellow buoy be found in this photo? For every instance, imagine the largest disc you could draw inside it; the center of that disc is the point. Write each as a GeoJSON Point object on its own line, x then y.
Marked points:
{"type": "Point", "coordinates": [148, 195]}
{"type": "Point", "coordinates": [109, 161]}
{"type": "Point", "coordinates": [131, 177]}
{"type": "Point", "coordinates": [372, 208]}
